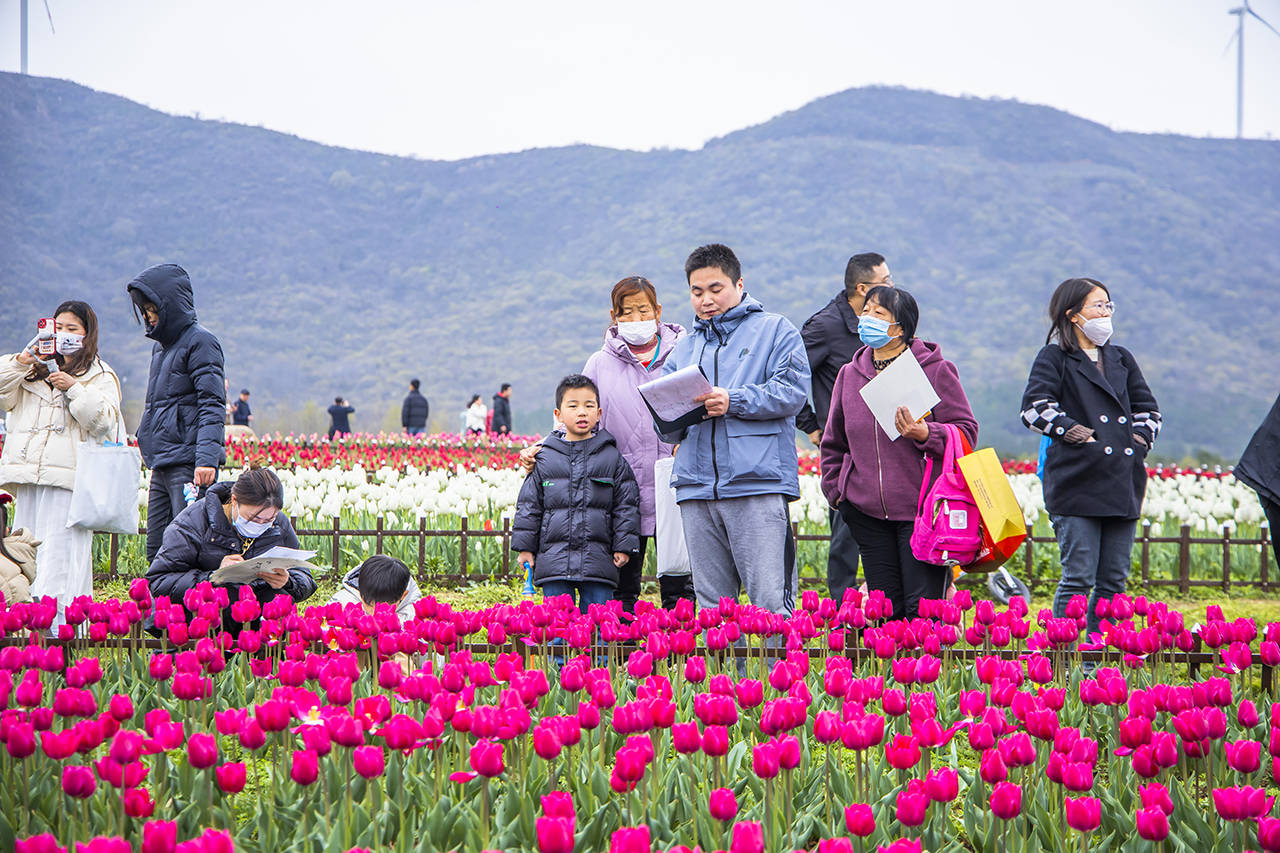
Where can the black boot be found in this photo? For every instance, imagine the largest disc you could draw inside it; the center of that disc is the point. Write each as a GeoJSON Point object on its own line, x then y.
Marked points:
{"type": "Point", "coordinates": [675, 587]}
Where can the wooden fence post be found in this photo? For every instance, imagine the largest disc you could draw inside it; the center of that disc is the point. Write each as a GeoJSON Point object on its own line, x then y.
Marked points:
{"type": "Point", "coordinates": [422, 549]}
{"type": "Point", "coordinates": [506, 548]}
{"type": "Point", "coordinates": [115, 556]}
{"type": "Point", "coordinates": [1184, 560]}
{"type": "Point", "coordinates": [337, 565]}
{"type": "Point", "coordinates": [463, 539]}
{"type": "Point", "coordinates": [1226, 560]}
{"type": "Point", "coordinates": [377, 537]}
{"type": "Point", "coordinates": [1264, 557]}
{"type": "Point", "coordinates": [1145, 564]}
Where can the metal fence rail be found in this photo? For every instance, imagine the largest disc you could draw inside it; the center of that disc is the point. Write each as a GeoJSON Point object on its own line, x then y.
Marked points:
{"type": "Point", "coordinates": [1025, 558]}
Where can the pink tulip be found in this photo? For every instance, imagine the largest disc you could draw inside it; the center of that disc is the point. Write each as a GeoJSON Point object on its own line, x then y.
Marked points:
{"type": "Point", "coordinates": [902, 752]}
{"type": "Point", "coordinates": [748, 837]}
{"type": "Point", "coordinates": [723, 805]}
{"type": "Point", "coordinates": [369, 761]}
{"type": "Point", "coordinates": [202, 750]}
{"type": "Point", "coordinates": [913, 805]}
{"type": "Point", "coordinates": [1244, 756]}
{"type": "Point", "coordinates": [137, 803]}
{"type": "Point", "coordinates": [1156, 796]}
{"type": "Point", "coordinates": [486, 758]}
{"type": "Point", "coordinates": [306, 767]}
{"type": "Point", "coordinates": [630, 840]}
{"type": "Point", "coordinates": [764, 759]}
{"type": "Point", "coordinates": [1006, 800]}
{"type": "Point", "coordinates": [1153, 824]}
{"type": "Point", "coordinates": [42, 843]}
{"type": "Point", "coordinates": [942, 785]}
{"type": "Point", "coordinates": [231, 777]}
{"type": "Point", "coordinates": [859, 820]}
{"type": "Point", "coordinates": [1084, 814]}
{"type": "Point", "coordinates": [78, 781]}
{"type": "Point", "coordinates": [554, 834]}
{"type": "Point", "coordinates": [1269, 834]}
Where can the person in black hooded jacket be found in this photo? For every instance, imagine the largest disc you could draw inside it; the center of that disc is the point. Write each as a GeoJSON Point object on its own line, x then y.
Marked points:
{"type": "Point", "coordinates": [181, 432]}
{"type": "Point", "coordinates": [230, 524]}
{"type": "Point", "coordinates": [578, 514]}
{"type": "Point", "coordinates": [1259, 468]}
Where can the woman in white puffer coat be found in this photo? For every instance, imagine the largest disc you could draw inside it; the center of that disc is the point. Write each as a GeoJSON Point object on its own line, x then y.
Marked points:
{"type": "Point", "coordinates": [55, 405]}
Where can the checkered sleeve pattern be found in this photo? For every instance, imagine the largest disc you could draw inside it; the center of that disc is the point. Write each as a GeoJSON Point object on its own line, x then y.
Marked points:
{"type": "Point", "coordinates": [1044, 417]}
{"type": "Point", "coordinates": [1150, 422]}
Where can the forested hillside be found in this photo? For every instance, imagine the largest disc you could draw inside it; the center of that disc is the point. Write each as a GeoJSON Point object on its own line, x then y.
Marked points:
{"type": "Point", "coordinates": [328, 271]}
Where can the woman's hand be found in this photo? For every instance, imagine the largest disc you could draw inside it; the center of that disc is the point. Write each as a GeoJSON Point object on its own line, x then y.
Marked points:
{"type": "Point", "coordinates": [276, 578]}
{"type": "Point", "coordinates": [230, 559]}
{"type": "Point", "coordinates": [25, 357]}
{"type": "Point", "coordinates": [527, 455]}
{"type": "Point", "coordinates": [62, 381]}
{"type": "Point", "coordinates": [909, 426]}
{"type": "Point", "coordinates": [1078, 434]}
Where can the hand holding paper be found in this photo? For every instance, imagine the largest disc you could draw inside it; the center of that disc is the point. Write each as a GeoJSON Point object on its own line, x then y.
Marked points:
{"type": "Point", "coordinates": [675, 400]}
{"type": "Point", "coordinates": [900, 386]}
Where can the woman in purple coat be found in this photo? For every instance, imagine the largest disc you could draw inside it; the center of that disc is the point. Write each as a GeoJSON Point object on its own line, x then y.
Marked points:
{"type": "Point", "coordinates": [635, 346]}
{"type": "Point", "coordinates": [874, 481]}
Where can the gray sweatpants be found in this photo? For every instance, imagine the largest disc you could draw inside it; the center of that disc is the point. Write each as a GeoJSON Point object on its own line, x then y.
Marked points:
{"type": "Point", "coordinates": [742, 543]}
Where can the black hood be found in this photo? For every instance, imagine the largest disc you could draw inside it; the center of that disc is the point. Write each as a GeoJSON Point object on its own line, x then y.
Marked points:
{"type": "Point", "coordinates": [169, 287]}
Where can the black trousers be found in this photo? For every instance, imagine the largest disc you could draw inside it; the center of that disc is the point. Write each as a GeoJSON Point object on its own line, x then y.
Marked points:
{"type": "Point", "coordinates": [842, 558]}
{"type": "Point", "coordinates": [672, 588]}
{"type": "Point", "coordinates": [1272, 509]}
{"type": "Point", "coordinates": [890, 566]}
{"type": "Point", "coordinates": [164, 501]}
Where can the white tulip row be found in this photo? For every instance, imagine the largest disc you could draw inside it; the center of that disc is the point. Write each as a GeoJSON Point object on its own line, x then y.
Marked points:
{"type": "Point", "coordinates": [315, 496]}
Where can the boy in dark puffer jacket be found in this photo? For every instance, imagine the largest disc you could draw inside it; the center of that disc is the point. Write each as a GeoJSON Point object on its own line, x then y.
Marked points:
{"type": "Point", "coordinates": [578, 514]}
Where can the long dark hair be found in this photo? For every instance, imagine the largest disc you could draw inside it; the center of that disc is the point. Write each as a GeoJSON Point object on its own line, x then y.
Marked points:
{"type": "Point", "coordinates": [472, 401]}
{"type": "Point", "coordinates": [1068, 299]}
{"type": "Point", "coordinates": [258, 487]}
{"type": "Point", "coordinates": [78, 364]}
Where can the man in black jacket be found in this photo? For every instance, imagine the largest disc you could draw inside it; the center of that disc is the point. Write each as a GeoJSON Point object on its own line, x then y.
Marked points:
{"type": "Point", "coordinates": [414, 410]}
{"type": "Point", "coordinates": [1259, 467]}
{"type": "Point", "coordinates": [831, 339]}
{"type": "Point", "coordinates": [181, 432]}
{"type": "Point", "coordinates": [340, 417]}
{"type": "Point", "coordinates": [502, 409]}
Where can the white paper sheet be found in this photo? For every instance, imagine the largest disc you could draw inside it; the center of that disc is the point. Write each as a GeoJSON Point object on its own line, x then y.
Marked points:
{"type": "Point", "coordinates": [672, 395]}
{"type": "Point", "coordinates": [247, 570]}
{"type": "Point", "coordinates": [282, 553]}
{"type": "Point", "coordinates": [902, 383]}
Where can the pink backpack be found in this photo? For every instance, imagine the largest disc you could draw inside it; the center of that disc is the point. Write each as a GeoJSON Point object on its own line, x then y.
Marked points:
{"type": "Point", "coordinates": [948, 528]}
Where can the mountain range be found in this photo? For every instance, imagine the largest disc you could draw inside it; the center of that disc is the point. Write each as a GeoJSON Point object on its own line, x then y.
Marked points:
{"type": "Point", "coordinates": [327, 271]}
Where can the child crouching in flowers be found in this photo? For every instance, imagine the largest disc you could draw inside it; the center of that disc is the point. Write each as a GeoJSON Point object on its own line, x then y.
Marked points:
{"type": "Point", "coordinates": [380, 580]}
{"type": "Point", "coordinates": [578, 514]}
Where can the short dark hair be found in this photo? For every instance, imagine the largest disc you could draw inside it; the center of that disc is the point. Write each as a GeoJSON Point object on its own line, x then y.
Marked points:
{"type": "Point", "coordinates": [337, 400]}
{"type": "Point", "coordinates": [715, 255]}
{"type": "Point", "coordinates": [244, 391]}
{"type": "Point", "coordinates": [258, 487]}
{"type": "Point", "coordinates": [901, 304]}
{"type": "Point", "coordinates": [1068, 298]}
{"type": "Point", "coordinates": [414, 384]}
{"type": "Point", "coordinates": [383, 580]}
{"type": "Point", "coordinates": [504, 386]}
{"type": "Point", "coordinates": [859, 267]}
{"type": "Point", "coordinates": [575, 380]}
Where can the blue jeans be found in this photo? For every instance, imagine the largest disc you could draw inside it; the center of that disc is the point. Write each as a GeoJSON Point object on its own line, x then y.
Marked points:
{"type": "Point", "coordinates": [415, 430]}
{"type": "Point", "coordinates": [584, 593]}
{"type": "Point", "coordinates": [1095, 560]}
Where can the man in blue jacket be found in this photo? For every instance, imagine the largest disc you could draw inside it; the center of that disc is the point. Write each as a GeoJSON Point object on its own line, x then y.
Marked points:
{"type": "Point", "coordinates": [736, 471]}
{"type": "Point", "coordinates": [181, 432]}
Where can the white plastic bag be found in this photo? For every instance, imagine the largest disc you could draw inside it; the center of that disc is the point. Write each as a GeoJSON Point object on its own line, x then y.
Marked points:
{"type": "Point", "coordinates": [105, 497]}
{"type": "Point", "coordinates": [672, 553]}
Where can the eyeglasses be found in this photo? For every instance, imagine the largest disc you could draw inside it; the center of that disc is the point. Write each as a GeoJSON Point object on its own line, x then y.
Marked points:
{"type": "Point", "coordinates": [1109, 307]}
{"type": "Point", "coordinates": [887, 281]}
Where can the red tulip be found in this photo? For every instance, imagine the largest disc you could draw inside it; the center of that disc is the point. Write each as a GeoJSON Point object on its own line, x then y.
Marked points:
{"type": "Point", "coordinates": [231, 778]}
{"type": "Point", "coordinates": [137, 802]}
{"type": "Point", "coordinates": [723, 805]}
{"type": "Point", "coordinates": [369, 761]}
{"type": "Point", "coordinates": [903, 752]}
{"type": "Point", "coordinates": [859, 820]}
{"type": "Point", "coordinates": [60, 745]}
{"type": "Point", "coordinates": [1006, 800]}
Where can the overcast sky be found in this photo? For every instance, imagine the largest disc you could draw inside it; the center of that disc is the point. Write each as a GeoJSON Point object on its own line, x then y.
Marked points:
{"type": "Point", "coordinates": [455, 79]}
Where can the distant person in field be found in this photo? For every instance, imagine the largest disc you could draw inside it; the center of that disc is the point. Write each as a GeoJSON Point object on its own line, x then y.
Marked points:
{"type": "Point", "coordinates": [578, 512]}
{"type": "Point", "coordinates": [241, 415]}
{"type": "Point", "coordinates": [1088, 397]}
{"type": "Point", "coordinates": [501, 423]}
{"type": "Point", "coordinates": [830, 340]}
{"type": "Point", "coordinates": [477, 414]}
{"type": "Point", "coordinates": [1259, 467]}
{"type": "Point", "coordinates": [414, 410]}
{"type": "Point", "coordinates": [340, 417]}
{"type": "Point", "coordinates": [181, 433]}
{"type": "Point", "coordinates": [736, 471]}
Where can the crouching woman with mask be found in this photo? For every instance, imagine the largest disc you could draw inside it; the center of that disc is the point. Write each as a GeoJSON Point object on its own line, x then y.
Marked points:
{"type": "Point", "coordinates": [1089, 399]}
{"type": "Point", "coordinates": [231, 523]}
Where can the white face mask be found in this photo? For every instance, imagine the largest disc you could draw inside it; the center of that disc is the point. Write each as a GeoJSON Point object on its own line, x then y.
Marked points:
{"type": "Point", "coordinates": [68, 343]}
{"type": "Point", "coordinates": [1097, 330]}
{"type": "Point", "coordinates": [638, 332]}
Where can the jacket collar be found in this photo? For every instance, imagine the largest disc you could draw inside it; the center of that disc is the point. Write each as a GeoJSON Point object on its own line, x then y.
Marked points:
{"type": "Point", "coordinates": [217, 497]}
{"type": "Point", "coordinates": [723, 325]}
{"type": "Point", "coordinates": [615, 346]}
{"type": "Point", "coordinates": [1109, 358]}
{"type": "Point", "coordinates": [845, 310]}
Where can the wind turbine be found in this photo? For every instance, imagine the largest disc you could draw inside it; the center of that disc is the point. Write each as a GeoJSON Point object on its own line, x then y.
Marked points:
{"type": "Point", "coordinates": [22, 15]}
{"type": "Point", "coordinates": [1239, 12]}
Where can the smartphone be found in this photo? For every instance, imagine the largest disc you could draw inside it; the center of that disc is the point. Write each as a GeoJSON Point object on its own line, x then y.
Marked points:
{"type": "Point", "coordinates": [46, 339]}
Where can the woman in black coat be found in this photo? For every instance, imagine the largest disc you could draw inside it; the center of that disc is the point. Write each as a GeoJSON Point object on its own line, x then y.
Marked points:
{"type": "Point", "coordinates": [231, 523]}
{"type": "Point", "coordinates": [1089, 398]}
{"type": "Point", "coordinates": [1259, 468]}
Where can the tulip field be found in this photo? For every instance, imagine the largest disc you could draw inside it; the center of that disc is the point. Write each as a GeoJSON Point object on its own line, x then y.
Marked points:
{"type": "Point", "coordinates": [533, 727]}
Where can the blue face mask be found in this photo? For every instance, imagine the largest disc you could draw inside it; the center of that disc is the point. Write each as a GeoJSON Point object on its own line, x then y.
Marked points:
{"type": "Point", "coordinates": [874, 331]}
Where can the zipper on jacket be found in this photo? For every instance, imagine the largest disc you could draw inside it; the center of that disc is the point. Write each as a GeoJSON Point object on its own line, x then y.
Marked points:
{"type": "Point", "coordinates": [880, 472]}
{"type": "Point", "coordinates": [715, 373]}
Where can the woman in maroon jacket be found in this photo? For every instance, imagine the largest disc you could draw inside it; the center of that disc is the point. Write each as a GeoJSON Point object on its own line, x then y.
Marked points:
{"type": "Point", "coordinates": [874, 480]}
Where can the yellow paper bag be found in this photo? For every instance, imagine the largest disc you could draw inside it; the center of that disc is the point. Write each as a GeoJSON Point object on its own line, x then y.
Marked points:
{"type": "Point", "coordinates": [987, 482]}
